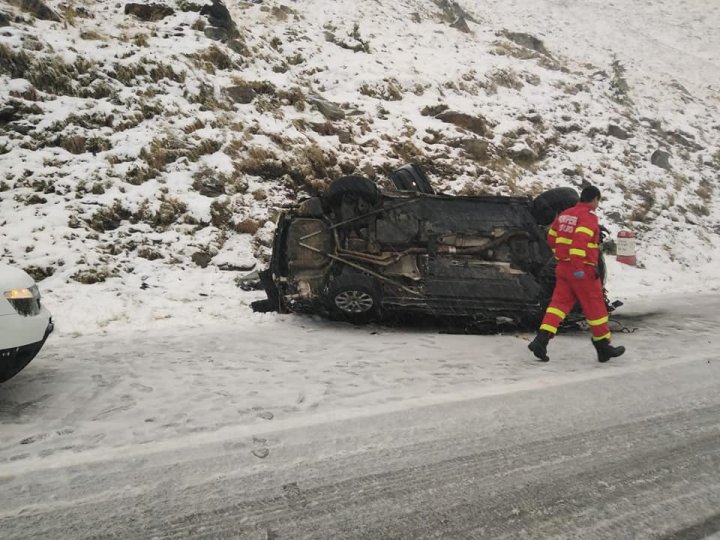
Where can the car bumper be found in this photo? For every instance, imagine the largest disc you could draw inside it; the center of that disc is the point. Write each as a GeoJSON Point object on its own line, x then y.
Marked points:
{"type": "Point", "coordinates": [14, 359]}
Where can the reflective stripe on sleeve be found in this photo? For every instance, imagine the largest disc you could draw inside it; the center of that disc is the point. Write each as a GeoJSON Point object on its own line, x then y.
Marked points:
{"type": "Point", "coordinates": [561, 240]}
{"type": "Point", "coordinates": [592, 245]}
{"type": "Point", "coordinates": [585, 230]}
{"type": "Point", "coordinates": [551, 329]}
{"type": "Point", "coordinates": [556, 311]}
{"type": "Point", "coordinates": [600, 338]}
{"type": "Point", "coordinates": [598, 322]}
{"type": "Point", "coordinates": [552, 232]}
{"type": "Point", "coordinates": [578, 252]}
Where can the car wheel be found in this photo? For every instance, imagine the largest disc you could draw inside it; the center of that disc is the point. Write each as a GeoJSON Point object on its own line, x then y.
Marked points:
{"type": "Point", "coordinates": [353, 187]}
{"type": "Point", "coordinates": [355, 298]}
{"type": "Point", "coordinates": [549, 204]}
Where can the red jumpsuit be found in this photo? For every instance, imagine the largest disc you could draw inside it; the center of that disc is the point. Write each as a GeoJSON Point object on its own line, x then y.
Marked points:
{"type": "Point", "coordinates": [574, 238]}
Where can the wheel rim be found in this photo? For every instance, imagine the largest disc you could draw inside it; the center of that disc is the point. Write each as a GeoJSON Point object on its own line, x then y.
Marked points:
{"type": "Point", "coordinates": [354, 301]}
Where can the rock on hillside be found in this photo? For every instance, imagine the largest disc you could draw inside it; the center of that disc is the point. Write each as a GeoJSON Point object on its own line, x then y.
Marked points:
{"type": "Point", "coordinates": [140, 136]}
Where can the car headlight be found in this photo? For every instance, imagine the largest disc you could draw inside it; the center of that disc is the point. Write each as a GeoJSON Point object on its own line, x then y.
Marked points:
{"type": "Point", "coordinates": [19, 294]}
{"type": "Point", "coordinates": [26, 301]}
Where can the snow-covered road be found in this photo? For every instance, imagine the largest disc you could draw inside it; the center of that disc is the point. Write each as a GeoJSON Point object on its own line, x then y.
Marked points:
{"type": "Point", "coordinates": [292, 426]}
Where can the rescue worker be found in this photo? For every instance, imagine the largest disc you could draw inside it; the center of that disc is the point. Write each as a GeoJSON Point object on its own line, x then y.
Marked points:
{"type": "Point", "coordinates": [574, 238]}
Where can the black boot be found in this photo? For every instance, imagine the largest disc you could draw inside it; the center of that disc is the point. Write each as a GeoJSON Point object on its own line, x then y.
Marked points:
{"type": "Point", "coordinates": [539, 345]}
{"type": "Point", "coordinates": [605, 351]}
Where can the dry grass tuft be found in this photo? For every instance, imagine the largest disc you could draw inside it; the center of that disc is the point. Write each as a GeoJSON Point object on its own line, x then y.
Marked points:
{"type": "Point", "coordinates": [387, 90]}
{"type": "Point", "coordinates": [212, 59]}
{"type": "Point", "coordinates": [163, 151]}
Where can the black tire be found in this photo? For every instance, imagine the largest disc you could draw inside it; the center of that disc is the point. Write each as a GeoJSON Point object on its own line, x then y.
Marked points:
{"type": "Point", "coordinates": [354, 298]}
{"type": "Point", "coordinates": [549, 204]}
{"type": "Point", "coordinates": [263, 306]}
{"type": "Point", "coordinates": [354, 187]}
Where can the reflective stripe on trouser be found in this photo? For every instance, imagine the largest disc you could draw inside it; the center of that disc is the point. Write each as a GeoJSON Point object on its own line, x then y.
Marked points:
{"type": "Point", "coordinates": [570, 290]}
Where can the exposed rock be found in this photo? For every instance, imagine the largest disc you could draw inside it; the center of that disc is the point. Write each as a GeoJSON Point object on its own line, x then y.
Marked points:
{"type": "Point", "coordinates": [329, 110]}
{"type": "Point", "coordinates": [149, 253]}
{"type": "Point", "coordinates": [4, 19]}
{"type": "Point", "coordinates": [526, 40]}
{"type": "Point", "coordinates": [618, 132]}
{"type": "Point", "coordinates": [476, 149]}
{"type": "Point", "coordinates": [324, 128]}
{"type": "Point", "coordinates": [7, 113]}
{"type": "Point", "coordinates": [185, 5]}
{"type": "Point", "coordinates": [683, 139]}
{"type": "Point", "coordinates": [219, 16]}
{"type": "Point", "coordinates": [201, 258]}
{"type": "Point", "coordinates": [241, 94]}
{"type": "Point", "coordinates": [148, 12]}
{"type": "Point", "coordinates": [345, 137]}
{"type": "Point", "coordinates": [660, 159]}
{"type": "Point", "coordinates": [522, 153]}
{"type": "Point", "coordinates": [270, 169]}
{"type": "Point", "coordinates": [209, 185]}
{"type": "Point", "coordinates": [35, 199]}
{"type": "Point", "coordinates": [82, 12]}
{"type": "Point", "coordinates": [216, 33]}
{"type": "Point", "coordinates": [533, 118]}
{"type": "Point", "coordinates": [38, 9]}
{"type": "Point", "coordinates": [434, 110]}
{"type": "Point", "coordinates": [20, 127]}
{"type": "Point", "coordinates": [452, 11]}
{"type": "Point", "coordinates": [238, 46]}
{"type": "Point", "coordinates": [476, 124]}
{"type": "Point", "coordinates": [568, 128]}
{"type": "Point", "coordinates": [461, 25]}
{"type": "Point", "coordinates": [14, 111]}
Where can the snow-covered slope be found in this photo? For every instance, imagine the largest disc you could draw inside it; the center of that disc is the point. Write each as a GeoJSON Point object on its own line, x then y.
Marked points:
{"type": "Point", "coordinates": [141, 160]}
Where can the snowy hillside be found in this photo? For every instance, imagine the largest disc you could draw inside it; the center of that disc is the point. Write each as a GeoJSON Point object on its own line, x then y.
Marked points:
{"type": "Point", "coordinates": [145, 148]}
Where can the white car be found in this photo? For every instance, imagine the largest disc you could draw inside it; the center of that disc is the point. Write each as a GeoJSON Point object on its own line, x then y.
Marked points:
{"type": "Point", "coordinates": [24, 322]}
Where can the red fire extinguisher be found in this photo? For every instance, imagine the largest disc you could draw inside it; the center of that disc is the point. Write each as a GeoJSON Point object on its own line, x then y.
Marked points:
{"type": "Point", "coordinates": [626, 248]}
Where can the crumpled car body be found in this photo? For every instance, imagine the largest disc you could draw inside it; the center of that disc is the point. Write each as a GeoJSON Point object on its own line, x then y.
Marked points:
{"type": "Point", "coordinates": [364, 255]}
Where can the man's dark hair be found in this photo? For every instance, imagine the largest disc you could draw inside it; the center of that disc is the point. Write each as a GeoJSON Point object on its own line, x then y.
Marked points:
{"type": "Point", "coordinates": [589, 193]}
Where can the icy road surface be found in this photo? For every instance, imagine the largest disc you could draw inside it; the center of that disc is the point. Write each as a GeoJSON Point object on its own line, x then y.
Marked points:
{"type": "Point", "coordinates": [290, 427]}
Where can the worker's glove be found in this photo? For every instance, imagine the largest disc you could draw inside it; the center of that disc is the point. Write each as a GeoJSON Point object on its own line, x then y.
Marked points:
{"type": "Point", "coordinates": [579, 274]}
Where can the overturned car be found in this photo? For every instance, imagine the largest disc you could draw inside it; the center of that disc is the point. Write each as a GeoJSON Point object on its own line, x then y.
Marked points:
{"type": "Point", "coordinates": [359, 253]}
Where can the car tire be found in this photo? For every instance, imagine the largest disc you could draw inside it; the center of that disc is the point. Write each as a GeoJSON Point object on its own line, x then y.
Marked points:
{"type": "Point", "coordinates": [549, 204]}
{"type": "Point", "coordinates": [354, 298]}
{"type": "Point", "coordinates": [357, 187]}
{"type": "Point", "coordinates": [262, 306]}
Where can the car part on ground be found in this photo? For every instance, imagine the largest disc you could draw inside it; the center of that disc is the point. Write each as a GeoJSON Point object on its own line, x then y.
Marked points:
{"type": "Point", "coordinates": [25, 323]}
{"type": "Point", "coordinates": [250, 281]}
{"type": "Point", "coordinates": [412, 177]}
{"type": "Point", "coordinates": [358, 254]}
